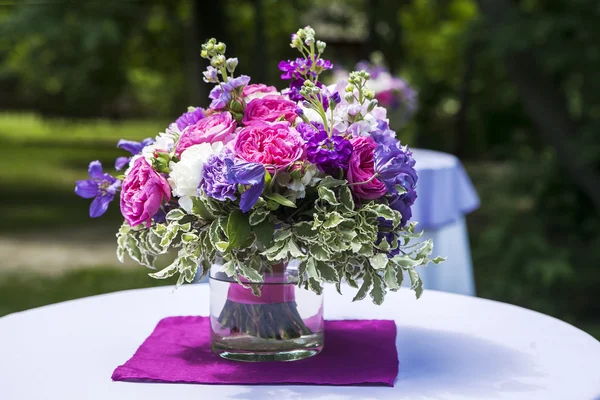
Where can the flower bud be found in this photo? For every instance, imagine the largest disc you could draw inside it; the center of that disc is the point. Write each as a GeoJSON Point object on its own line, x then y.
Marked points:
{"type": "Point", "coordinates": [204, 54]}
{"type": "Point", "coordinates": [309, 41]}
{"type": "Point", "coordinates": [369, 93]}
{"type": "Point", "coordinates": [299, 111]}
{"type": "Point", "coordinates": [349, 97]}
{"type": "Point", "coordinates": [372, 104]}
{"type": "Point", "coordinates": [220, 47]}
{"type": "Point", "coordinates": [296, 42]}
{"type": "Point", "coordinates": [321, 46]}
{"type": "Point", "coordinates": [350, 89]}
{"type": "Point", "coordinates": [218, 61]}
{"type": "Point", "coordinates": [231, 64]}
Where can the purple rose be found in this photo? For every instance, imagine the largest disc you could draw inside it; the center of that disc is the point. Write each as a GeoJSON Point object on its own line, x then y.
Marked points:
{"type": "Point", "coordinates": [361, 169]}
{"type": "Point", "coordinates": [270, 109]}
{"type": "Point", "coordinates": [143, 192]}
{"type": "Point", "coordinates": [218, 127]}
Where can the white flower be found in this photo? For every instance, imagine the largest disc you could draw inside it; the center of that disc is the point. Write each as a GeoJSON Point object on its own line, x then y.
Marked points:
{"type": "Point", "coordinates": [165, 141]}
{"type": "Point", "coordinates": [297, 186]}
{"type": "Point", "coordinates": [186, 174]}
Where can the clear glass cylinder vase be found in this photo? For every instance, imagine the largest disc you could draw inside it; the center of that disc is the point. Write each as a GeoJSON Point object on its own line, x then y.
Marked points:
{"type": "Point", "coordinates": [282, 323]}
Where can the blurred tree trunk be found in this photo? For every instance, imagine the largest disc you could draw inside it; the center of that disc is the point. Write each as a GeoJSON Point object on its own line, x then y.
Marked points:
{"type": "Point", "coordinates": [207, 20]}
{"type": "Point", "coordinates": [545, 104]}
{"type": "Point", "coordinates": [385, 31]}
{"type": "Point", "coordinates": [193, 40]}
{"type": "Point", "coordinates": [461, 131]}
{"type": "Point", "coordinates": [260, 41]}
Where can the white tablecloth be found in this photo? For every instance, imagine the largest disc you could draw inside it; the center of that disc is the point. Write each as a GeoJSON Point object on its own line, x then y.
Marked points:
{"type": "Point", "coordinates": [446, 195]}
{"type": "Point", "coordinates": [449, 347]}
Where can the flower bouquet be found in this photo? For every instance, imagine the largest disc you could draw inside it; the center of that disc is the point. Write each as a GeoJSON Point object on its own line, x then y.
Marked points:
{"type": "Point", "coordinates": [304, 186]}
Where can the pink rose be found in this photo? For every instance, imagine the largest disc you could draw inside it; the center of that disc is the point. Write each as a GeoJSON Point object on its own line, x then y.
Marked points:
{"type": "Point", "coordinates": [361, 168]}
{"type": "Point", "coordinates": [143, 193]}
{"type": "Point", "coordinates": [218, 127]}
{"type": "Point", "coordinates": [274, 144]}
{"type": "Point", "coordinates": [270, 109]}
{"type": "Point", "coordinates": [257, 91]}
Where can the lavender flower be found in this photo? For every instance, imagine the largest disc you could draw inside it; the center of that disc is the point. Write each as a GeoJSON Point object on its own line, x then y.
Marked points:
{"type": "Point", "coordinates": [101, 186]}
{"type": "Point", "coordinates": [211, 75]}
{"type": "Point", "coordinates": [252, 176]}
{"type": "Point", "coordinates": [133, 147]}
{"type": "Point", "coordinates": [327, 153]}
{"type": "Point", "coordinates": [300, 70]}
{"type": "Point", "coordinates": [395, 167]}
{"type": "Point", "coordinates": [189, 118]}
{"type": "Point", "coordinates": [221, 95]}
{"type": "Point", "coordinates": [215, 182]}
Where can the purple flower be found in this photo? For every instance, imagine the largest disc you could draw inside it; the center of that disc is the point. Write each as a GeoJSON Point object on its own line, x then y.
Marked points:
{"type": "Point", "coordinates": [132, 147]}
{"type": "Point", "coordinates": [189, 118]}
{"type": "Point", "coordinates": [327, 153]}
{"type": "Point", "coordinates": [395, 167]}
{"type": "Point", "coordinates": [221, 95]}
{"type": "Point", "coordinates": [298, 71]}
{"type": "Point", "coordinates": [215, 181]}
{"type": "Point", "coordinates": [249, 174]}
{"type": "Point", "coordinates": [335, 98]}
{"type": "Point", "coordinates": [101, 186]}
{"type": "Point", "coordinates": [383, 134]}
{"type": "Point", "coordinates": [403, 203]}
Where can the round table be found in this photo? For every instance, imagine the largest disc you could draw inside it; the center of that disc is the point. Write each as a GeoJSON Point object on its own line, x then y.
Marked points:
{"type": "Point", "coordinates": [449, 347]}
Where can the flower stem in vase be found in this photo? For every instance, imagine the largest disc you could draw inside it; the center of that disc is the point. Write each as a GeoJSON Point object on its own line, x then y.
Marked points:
{"type": "Point", "coordinates": [271, 315]}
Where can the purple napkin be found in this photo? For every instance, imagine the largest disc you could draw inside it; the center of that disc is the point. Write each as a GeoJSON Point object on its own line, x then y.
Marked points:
{"type": "Point", "coordinates": [357, 352]}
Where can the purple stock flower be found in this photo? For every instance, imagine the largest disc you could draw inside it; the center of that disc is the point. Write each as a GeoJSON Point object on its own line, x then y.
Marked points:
{"type": "Point", "coordinates": [328, 153]}
{"type": "Point", "coordinates": [383, 134]}
{"type": "Point", "coordinates": [101, 186]}
{"type": "Point", "coordinates": [249, 174]}
{"type": "Point", "coordinates": [189, 118]}
{"type": "Point", "coordinates": [221, 94]}
{"type": "Point", "coordinates": [133, 147]}
{"type": "Point", "coordinates": [395, 167]}
{"type": "Point", "coordinates": [215, 181]}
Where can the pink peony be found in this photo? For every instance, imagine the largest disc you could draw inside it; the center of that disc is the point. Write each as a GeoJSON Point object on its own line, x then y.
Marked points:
{"type": "Point", "coordinates": [257, 91]}
{"type": "Point", "coordinates": [272, 144]}
{"type": "Point", "coordinates": [270, 109]}
{"type": "Point", "coordinates": [218, 127]}
{"type": "Point", "coordinates": [361, 168]}
{"type": "Point", "coordinates": [143, 193]}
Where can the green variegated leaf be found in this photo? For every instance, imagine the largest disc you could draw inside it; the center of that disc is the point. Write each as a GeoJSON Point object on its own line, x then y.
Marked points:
{"type": "Point", "coordinates": [378, 291]}
{"type": "Point", "coordinates": [222, 246]}
{"type": "Point", "coordinates": [333, 220]}
{"type": "Point", "coordinates": [331, 182]}
{"type": "Point", "coordinates": [305, 231]}
{"type": "Point", "coordinates": [328, 195]}
{"type": "Point", "coordinates": [390, 277]}
{"type": "Point", "coordinates": [133, 249]}
{"type": "Point", "coordinates": [258, 215]}
{"type": "Point", "coordinates": [438, 260]}
{"type": "Point", "coordinates": [175, 214]}
{"type": "Point", "coordinates": [184, 227]}
{"type": "Point", "coordinates": [311, 269]}
{"type": "Point", "coordinates": [238, 229]}
{"type": "Point", "coordinates": [279, 255]}
{"type": "Point", "coordinates": [264, 232]}
{"type": "Point", "coordinates": [249, 273]}
{"type": "Point", "coordinates": [416, 282]}
{"type": "Point", "coordinates": [379, 261]}
{"type": "Point", "coordinates": [364, 288]}
{"type": "Point", "coordinates": [154, 242]}
{"type": "Point", "coordinates": [282, 234]}
{"type": "Point", "coordinates": [166, 272]}
{"type": "Point", "coordinates": [200, 209]}
{"type": "Point", "coordinates": [188, 237]}
{"type": "Point", "coordinates": [386, 212]}
{"type": "Point", "coordinates": [295, 252]}
{"type": "Point", "coordinates": [346, 198]}
{"type": "Point", "coordinates": [328, 273]}
{"type": "Point", "coordinates": [319, 252]}
{"type": "Point", "coordinates": [280, 199]}
{"type": "Point", "coordinates": [315, 286]}
{"type": "Point", "coordinates": [228, 268]}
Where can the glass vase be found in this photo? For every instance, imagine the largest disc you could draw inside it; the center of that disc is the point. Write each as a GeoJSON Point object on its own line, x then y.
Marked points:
{"type": "Point", "coordinates": [282, 323]}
